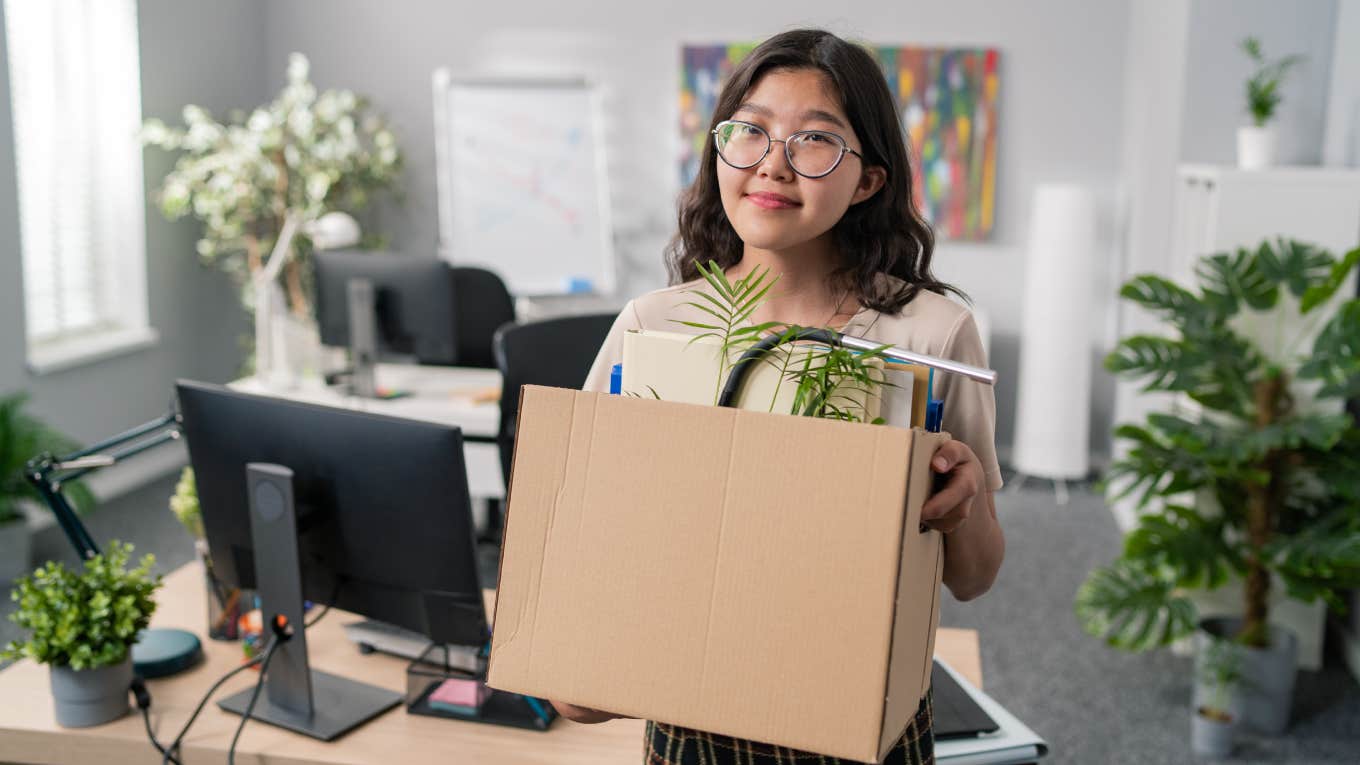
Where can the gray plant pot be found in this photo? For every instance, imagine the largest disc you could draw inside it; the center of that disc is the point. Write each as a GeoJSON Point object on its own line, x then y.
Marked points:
{"type": "Point", "coordinates": [1210, 738]}
{"type": "Point", "coordinates": [86, 697]}
{"type": "Point", "coordinates": [15, 543]}
{"type": "Point", "coordinates": [1266, 694]}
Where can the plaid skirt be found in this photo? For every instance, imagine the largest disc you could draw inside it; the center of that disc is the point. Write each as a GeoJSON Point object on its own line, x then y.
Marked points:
{"type": "Point", "coordinates": [672, 745]}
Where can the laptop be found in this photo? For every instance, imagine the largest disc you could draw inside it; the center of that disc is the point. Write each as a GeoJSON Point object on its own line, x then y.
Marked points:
{"type": "Point", "coordinates": [956, 714]}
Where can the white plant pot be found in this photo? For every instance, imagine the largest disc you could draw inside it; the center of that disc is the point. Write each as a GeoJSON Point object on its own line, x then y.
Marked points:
{"type": "Point", "coordinates": [15, 543]}
{"type": "Point", "coordinates": [1255, 147]}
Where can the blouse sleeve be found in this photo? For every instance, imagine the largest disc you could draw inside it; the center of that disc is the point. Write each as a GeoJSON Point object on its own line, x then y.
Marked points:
{"type": "Point", "coordinates": [611, 352]}
{"type": "Point", "coordinates": [969, 405]}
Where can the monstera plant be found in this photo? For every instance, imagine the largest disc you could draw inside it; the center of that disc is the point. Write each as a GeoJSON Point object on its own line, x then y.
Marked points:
{"type": "Point", "coordinates": [1258, 473]}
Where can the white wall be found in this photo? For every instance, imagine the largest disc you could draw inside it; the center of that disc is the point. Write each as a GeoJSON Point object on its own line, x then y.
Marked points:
{"type": "Point", "coordinates": [1217, 71]}
{"type": "Point", "coordinates": [193, 51]}
{"type": "Point", "coordinates": [1341, 142]}
{"type": "Point", "coordinates": [1060, 112]}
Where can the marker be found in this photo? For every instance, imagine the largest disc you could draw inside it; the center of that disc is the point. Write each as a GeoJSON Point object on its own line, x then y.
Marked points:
{"type": "Point", "coordinates": [934, 415]}
{"type": "Point", "coordinates": [616, 380]}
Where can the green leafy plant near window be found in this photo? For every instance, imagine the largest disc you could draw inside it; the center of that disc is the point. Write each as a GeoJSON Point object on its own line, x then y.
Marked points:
{"type": "Point", "coordinates": [84, 619]}
{"type": "Point", "coordinates": [830, 381]}
{"type": "Point", "coordinates": [23, 437]}
{"type": "Point", "coordinates": [1263, 87]}
{"type": "Point", "coordinates": [1281, 478]}
{"type": "Point", "coordinates": [184, 504]}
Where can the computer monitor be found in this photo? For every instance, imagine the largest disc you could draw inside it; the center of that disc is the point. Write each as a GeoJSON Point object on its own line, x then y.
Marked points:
{"type": "Point", "coordinates": [383, 527]}
{"type": "Point", "coordinates": [379, 303]}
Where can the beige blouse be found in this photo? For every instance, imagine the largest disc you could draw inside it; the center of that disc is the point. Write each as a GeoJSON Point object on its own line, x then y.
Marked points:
{"type": "Point", "coordinates": [931, 324]}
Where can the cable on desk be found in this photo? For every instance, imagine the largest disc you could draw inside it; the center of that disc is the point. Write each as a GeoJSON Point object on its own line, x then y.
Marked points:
{"type": "Point", "coordinates": [170, 754]}
{"type": "Point", "coordinates": [255, 695]}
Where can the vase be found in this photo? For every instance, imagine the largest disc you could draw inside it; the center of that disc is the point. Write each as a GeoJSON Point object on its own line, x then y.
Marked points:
{"type": "Point", "coordinates": [1266, 691]}
{"type": "Point", "coordinates": [1209, 736]}
{"type": "Point", "coordinates": [1255, 147]}
{"type": "Point", "coordinates": [225, 603]}
{"type": "Point", "coordinates": [86, 697]}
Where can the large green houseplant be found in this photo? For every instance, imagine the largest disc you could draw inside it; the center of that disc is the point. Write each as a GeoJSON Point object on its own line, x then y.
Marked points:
{"type": "Point", "coordinates": [23, 437]}
{"type": "Point", "coordinates": [1264, 480]}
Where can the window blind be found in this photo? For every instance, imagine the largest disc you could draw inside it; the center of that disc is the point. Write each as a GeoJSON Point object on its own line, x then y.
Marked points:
{"type": "Point", "coordinates": [76, 102]}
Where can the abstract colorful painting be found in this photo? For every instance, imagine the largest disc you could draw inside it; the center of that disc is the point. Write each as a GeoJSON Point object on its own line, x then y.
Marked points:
{"type": "Point", "coordinates": [947, 103]}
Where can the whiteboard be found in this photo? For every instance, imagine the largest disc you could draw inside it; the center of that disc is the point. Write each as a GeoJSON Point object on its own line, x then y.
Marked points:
{"type": "Point", "coordinates": [522, 183]}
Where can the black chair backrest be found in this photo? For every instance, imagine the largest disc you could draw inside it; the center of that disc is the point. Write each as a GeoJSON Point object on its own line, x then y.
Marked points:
{"type": "Point", "coordinates": [481, 305]}
{"type": "Point", "coordinates": [556, 352]}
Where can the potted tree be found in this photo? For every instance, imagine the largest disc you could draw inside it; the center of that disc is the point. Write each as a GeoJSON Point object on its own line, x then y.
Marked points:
{"type": "Point", "coordinates": [23, 437]}
{"type": "Point", "coordinates": [1212, 722]}
{"type": "Point", "coordinates": [1263, 482]}
{"type": "Point", "coordinates": [83, 624]}
{"type": "Point", "coordinates": [1256, 142]}
{"type": "Point", "coordinates": [304, 156]}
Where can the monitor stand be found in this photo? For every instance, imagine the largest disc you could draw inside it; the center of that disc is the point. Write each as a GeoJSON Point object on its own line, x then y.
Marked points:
{"type": "Point", "coordinates": [317, 704]}
{"type": "Point", "coordinates": [363, 337]}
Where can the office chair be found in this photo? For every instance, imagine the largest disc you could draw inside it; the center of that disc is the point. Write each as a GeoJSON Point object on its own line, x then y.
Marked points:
{"type": "Point", "coordinates": [482, 304]}
{"type": "Point", "coordinates": [556, 352]}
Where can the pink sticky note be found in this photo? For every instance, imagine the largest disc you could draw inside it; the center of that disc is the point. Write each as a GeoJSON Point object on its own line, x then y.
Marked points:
{"type": "Point", "coordinates": [461, 693]}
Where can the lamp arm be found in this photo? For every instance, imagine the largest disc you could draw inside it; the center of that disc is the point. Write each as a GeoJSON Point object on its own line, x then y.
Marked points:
{"type": "Point", "coordinates": [47, 473]}
{"type": "Point", "coordinates": [279, 256]}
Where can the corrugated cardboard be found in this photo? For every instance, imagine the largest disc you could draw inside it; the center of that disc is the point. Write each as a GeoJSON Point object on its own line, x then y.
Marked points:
{"type": "Point", "coordinates": [751, 574]}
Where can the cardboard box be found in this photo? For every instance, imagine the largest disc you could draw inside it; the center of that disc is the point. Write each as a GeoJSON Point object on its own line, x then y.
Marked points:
{"type": "Point", "coordinates": [751, 574]}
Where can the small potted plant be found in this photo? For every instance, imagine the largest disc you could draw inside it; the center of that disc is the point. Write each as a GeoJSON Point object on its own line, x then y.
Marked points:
{"type": "Point", "coordinates": [1213, 722]}
{"type": "Point", "coordinates": [1256, 142]}
{"type": "Point", "coordinates": [23, 437]}
{"type": "Point", "coordinates": [83, 624]}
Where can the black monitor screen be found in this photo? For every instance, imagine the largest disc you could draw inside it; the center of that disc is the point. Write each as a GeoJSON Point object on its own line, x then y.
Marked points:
{"type": "Point", "coordinates": [384, 519]}
{"type": "Point", "coordinates": [413, 300]}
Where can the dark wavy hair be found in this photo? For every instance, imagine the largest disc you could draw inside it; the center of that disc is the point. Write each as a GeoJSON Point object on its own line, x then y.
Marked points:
{"type": "Point", "coordinates": [884, 234]}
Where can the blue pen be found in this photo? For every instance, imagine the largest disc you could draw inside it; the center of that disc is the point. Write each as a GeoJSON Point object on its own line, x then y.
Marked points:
{"type": "Point", "coordinates": [616, 379]}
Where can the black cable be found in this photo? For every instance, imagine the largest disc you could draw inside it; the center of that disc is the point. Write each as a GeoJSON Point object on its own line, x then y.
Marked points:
{"type": "Point", "coordinates": [735, 378]}
{"type": "Point", "coordinates": [254, 696]}
{"type": "Point", "coordinates": [170, 753]}
{"type": "Point", "coordinates": [335, 593]}
{"type": "Point", "coordinates": [165, 753]}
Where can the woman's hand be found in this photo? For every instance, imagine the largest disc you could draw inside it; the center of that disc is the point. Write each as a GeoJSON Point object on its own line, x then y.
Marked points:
{"type": "Point", "coordinates": [949, 508]}
{"type": "Point", "coordinates": [582, 714]}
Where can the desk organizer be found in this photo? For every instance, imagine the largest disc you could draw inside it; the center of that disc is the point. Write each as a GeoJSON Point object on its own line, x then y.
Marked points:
{"type": "Point", "coordinates": [437, 689]}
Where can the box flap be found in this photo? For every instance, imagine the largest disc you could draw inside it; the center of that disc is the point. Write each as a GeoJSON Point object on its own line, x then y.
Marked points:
{"type": "Point", "coordinates": [745, 531]}
{"type": "Point", "coordinates": [918, 593]}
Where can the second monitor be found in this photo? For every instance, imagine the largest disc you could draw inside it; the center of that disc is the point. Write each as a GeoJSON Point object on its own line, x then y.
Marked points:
{"type": "Point", "coordinates": [374, 302]}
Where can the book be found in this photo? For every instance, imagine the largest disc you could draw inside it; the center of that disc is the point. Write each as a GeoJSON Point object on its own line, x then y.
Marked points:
{"type": "Point", "coordinates": [674, 366]}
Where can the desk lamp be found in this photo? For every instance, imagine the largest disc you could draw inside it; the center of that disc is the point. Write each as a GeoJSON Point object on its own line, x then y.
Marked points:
{"type": "Point", "coordinates": [328, 232]}
{"type": "Point", "coordinates": [158, 651]}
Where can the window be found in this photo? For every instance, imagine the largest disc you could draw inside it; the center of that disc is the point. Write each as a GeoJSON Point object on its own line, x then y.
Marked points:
{"type": "Point", "coordinates": [76, 103]}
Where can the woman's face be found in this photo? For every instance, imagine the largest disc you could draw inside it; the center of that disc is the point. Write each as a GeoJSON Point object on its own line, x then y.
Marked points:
{"type": "Point", "coordinates": [772, 207]}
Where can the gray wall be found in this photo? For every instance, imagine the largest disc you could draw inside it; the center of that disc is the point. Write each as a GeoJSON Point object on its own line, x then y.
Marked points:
{"type": "Point", "coordinates": [193, 51]}
{"type": "Point", "coordinates": [1217, 71]}
{"type": "Point", "coordinates": [1062, 69]}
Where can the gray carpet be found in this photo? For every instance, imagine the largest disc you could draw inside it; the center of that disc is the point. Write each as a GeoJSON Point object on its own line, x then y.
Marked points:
{"type": "Point", "coordinates": [1093, 704]}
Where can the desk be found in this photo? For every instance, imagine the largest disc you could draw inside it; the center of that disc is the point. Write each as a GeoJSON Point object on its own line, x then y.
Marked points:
{"type": "Point", "coordinates": [29, 733]}
{"type": "Point", "coordinates": [446, 395]}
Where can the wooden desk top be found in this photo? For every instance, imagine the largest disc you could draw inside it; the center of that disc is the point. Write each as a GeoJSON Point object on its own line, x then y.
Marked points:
{"type": "Point", "coordinates": [29, 733]}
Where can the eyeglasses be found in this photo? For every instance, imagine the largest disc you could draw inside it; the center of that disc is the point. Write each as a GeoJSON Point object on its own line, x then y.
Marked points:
{"type": "Point", "coordinates": [811, 153]}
